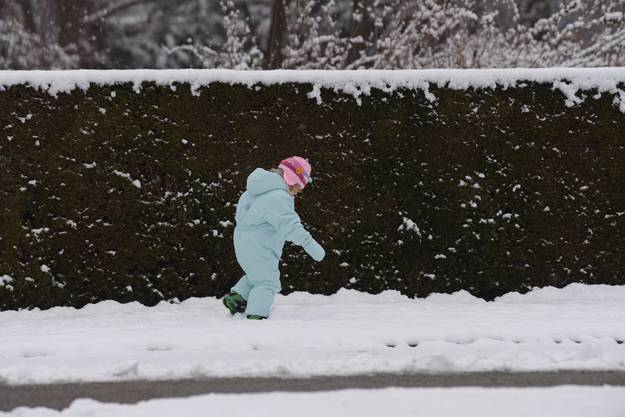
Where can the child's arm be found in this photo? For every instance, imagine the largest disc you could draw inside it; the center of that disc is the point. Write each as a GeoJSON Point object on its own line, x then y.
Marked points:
{"type": "Point", "coordinates": [282, 216]}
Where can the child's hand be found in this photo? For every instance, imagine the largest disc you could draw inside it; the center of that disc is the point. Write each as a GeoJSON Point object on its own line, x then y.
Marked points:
{"type": "Point", "coordinates": [315, 250]}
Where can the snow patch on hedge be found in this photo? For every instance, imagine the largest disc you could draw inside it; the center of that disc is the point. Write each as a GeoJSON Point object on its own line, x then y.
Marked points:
{"type": "Point", "coordinates": [5, 280]}
{"type": "Point", "coordinates": [358, 83]}
{"type": "Point", "coordinates": [136, 183]}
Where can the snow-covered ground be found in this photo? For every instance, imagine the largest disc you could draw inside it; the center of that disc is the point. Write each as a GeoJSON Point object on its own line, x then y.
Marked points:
{"type": "Point", "coordinates": [562, 401]}
{"type": "Point", "coordinates": [577, 327]}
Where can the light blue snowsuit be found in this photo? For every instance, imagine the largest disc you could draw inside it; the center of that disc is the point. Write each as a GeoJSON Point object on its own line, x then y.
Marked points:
{"type": "Point", "coordinates": [265, 219]}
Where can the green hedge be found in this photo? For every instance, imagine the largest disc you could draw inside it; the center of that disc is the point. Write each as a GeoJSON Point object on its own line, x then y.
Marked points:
{"type": "Point", "coordinates": [489, 190]}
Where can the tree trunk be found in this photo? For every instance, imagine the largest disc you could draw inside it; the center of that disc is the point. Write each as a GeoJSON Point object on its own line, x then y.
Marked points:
{"type": "Point", "coordinates": [359, 27]}
{"type": "Point", "coordinates": [29, 16]}
{"type": "Point", "coordinates": [273, 55]}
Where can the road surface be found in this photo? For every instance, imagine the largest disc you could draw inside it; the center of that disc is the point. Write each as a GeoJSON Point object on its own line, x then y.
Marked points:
{"type": "Point", "coordinates": [59, 396]}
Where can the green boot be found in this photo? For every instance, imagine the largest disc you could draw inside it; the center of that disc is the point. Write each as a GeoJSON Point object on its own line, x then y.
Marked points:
{"type": "Point", "coordinates": [256, 317]}
{"type": "Point", "coordinates": [235, 303]}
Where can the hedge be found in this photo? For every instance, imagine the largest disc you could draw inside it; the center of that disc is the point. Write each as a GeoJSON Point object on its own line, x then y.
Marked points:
{"type": "Point", "coordinates": [110, 193]}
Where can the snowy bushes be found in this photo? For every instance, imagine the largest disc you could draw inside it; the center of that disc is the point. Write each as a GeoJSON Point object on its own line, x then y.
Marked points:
{"type": "Point", "coordinates": [486, 181]}
{"type": "Point", "coordinates": [414, 34]}
{"type": "Point", "coordinates": [311, 34]}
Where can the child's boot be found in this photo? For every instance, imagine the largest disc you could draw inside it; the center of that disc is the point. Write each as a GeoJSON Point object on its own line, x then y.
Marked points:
{"type": "Point", "coordinates": [235, 303]}
{"type": "Point", "coordinates": [255, 317]}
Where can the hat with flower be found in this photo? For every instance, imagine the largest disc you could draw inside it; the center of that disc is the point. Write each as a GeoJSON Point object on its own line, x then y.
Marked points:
{"type": "Point", "coordinates": [296, 170]}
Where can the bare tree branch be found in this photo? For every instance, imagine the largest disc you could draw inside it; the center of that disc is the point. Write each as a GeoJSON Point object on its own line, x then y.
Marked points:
{"type": "Point", "coordinates": [113, 9]}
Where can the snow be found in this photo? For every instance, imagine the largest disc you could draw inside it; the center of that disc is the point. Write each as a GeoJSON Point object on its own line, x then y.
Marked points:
{"type": "Point", "coordinates": [136, 183]}
{"type": "Point", "coordinates": [409, 224]}
{"type": "Point", "coordinates": [358, 83]}
{"type": "Point", "coordinates": [577, 327]}
{"type": "Point", "coordinates": [569, 401]}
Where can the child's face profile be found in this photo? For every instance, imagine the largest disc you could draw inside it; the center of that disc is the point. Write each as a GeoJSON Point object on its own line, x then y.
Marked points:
{"type": "Point", "coordinates": [294, 189]}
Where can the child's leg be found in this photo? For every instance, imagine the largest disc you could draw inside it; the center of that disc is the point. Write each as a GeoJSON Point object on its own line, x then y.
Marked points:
{"type": "Point", "coordinates": [261, 296]}
{"type": "Point", "coordinates": [243, 287]}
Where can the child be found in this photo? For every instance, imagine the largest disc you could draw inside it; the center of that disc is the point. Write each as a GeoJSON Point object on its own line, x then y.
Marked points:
{"type": "Point", "coordinates": [265, 219]}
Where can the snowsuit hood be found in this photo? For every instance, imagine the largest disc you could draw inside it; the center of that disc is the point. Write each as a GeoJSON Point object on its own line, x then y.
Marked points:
{"type": "Point", "coordinates": [261, 181]}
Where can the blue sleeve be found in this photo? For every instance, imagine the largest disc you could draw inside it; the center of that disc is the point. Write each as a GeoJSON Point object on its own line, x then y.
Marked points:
{"type": "Point", "coordinates": [281, 214]}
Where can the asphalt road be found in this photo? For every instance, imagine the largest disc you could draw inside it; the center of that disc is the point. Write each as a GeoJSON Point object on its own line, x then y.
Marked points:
{"type": "Point", "coordinates": [60, 396]}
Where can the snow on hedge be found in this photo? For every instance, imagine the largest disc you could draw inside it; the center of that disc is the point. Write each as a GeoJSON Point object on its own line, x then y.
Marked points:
{"type": "Point", "coordinates": [357, 83]}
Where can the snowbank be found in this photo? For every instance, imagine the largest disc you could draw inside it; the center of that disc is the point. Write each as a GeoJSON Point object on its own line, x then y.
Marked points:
{"type": "Point", "coordinates": [399, 402]}
{"type": "Point", "coordinates": [577, 327]}
{"type": "Point", "coordinates": [357, 83]}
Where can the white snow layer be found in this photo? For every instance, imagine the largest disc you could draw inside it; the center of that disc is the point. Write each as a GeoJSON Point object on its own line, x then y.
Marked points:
{"type": "Point", "coordinates": [577, 327]}
{"type": "Point", "coordinates": [356, 82]}
{"type": "Point", "coordinates": [561, 401]}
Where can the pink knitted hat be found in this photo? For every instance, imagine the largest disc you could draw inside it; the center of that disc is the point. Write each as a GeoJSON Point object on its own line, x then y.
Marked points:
{"type": "Point", "coordinates": [296, 170]}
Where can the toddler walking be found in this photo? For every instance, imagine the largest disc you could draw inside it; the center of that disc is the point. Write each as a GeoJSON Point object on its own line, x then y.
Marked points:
{"type": "Point", "coordinates": [265, 219]}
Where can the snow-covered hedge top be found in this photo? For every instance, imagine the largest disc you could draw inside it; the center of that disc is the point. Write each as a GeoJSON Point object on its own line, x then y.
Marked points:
{"type": "Point", "coordinates": [357, 83]}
